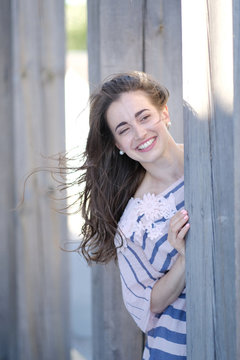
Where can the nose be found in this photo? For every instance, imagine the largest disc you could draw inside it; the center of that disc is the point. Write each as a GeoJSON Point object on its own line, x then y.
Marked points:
{"type": "Point", "coordinates": [139, 131]}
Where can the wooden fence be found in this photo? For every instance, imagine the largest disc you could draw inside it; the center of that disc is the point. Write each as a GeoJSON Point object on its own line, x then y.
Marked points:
{"type": "Point", "coordinates": [34, 272]}
{"type": "Point", "coordinates": [126, 35]}
{"type": "Point", "coordinates": [211, 88]}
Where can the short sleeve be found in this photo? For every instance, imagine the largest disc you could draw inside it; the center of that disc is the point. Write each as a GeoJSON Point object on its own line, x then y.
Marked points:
{"type": "Point", "coordinates": [138, 278]}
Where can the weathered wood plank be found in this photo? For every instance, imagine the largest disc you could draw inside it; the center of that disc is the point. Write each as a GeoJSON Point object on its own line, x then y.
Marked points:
{"type": "Point", "coordinates": [7, 219]}
{"type": "Point", "coordinates": [199, 271]}
{"type": "Point", "coordinates": [163, 54]}
{"type": "Point", "coordinates": [236, 137]}
{"type": "Point", "coordinates": [114, 45]}
{"type": "Point", "coordinates": [93, 38]}
{"type": "Point", "coordinates": [38, 267]}
{"type": "Point", "coordinates": [115, 38]}
{"type": "Point", "coordinates": [115, 333]}
{"type": "Point", "coordinates": [221, 67]}
{"type": "Point", "coordinates": [209, 176]}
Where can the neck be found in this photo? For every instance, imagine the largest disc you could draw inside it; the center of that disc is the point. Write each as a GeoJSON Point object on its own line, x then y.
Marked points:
{"type": "Point", "coordinates": [167, 169]}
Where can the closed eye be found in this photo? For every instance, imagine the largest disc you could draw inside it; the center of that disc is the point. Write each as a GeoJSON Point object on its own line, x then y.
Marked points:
{"type": "Point", "coordinates": [145, 118]}
{"type": "Point", "coordinates": [123, 131]}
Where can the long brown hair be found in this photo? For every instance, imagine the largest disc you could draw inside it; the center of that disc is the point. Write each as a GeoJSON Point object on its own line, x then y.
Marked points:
{"type": "Point", "coordinates": [109, 179]}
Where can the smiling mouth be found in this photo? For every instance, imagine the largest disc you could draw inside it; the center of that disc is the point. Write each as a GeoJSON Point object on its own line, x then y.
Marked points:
{"type": "Point", "coordinates": [146, 144]}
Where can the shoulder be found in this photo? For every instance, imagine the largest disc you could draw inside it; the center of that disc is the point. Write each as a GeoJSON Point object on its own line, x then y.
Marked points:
{"type": "Point", "coordinates": [129, 217]}
{"type": "Point", "coordinates": [126, 224]}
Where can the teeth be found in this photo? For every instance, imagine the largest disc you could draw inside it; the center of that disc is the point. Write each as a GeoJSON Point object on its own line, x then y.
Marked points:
{"type": "Point", "coordinates": [146, 144]}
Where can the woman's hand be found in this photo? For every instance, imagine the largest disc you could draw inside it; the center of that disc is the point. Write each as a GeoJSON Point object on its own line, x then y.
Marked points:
{"type": "Point", "coordinates": [178, 227]}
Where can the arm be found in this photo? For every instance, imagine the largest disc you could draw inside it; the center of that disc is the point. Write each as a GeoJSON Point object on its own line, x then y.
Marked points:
{"type": "Point", "coordinates": [138, 278]}
{"type": "Point", "coordinates": [167, 289]}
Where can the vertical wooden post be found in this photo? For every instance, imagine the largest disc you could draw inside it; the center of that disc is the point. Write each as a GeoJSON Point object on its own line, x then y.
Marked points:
{"type": "Point", "coordinates": [236, 142]}
{"type": "Point", "coordinates": [163, 54]}
{"type": "Point", "coordinates": [7, 204]}
{"type": "Point", "coordinates": [36, 297]}
{"type": "Point", "coordinates": [114, 45]}
{"type": "Point", "coordinates": [208, 84]}
{"type": "Point", "coordinates": [125, 36]}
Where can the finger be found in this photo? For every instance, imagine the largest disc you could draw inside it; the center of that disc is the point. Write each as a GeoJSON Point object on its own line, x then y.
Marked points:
{"type": "Point", "coordinates": [176, 217]}
{"type": "Point", "coordinates": [177, 226]}
{"type": "Point", "coordinates": [183, 231]}
{"type": "Point", "coordinates": [179, 215]}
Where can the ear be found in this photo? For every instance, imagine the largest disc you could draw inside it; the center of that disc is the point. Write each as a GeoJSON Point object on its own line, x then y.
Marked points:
{"type": "Point", "coordinates": [116, 144]}
{"type": "Point", "coordinates": [165, 115]}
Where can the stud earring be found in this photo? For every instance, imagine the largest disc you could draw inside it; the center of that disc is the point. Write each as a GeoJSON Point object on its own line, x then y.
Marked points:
{"type": "Point", "coordinates": [121, 152]}
{"type": "Point", "coordinates": [169, 124]}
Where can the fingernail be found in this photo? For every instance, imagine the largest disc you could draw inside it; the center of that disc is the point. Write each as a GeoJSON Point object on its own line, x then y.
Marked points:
{"type": "Point", "coordinates": [186, 217]}
{"type": "Point", "coordinates": [187, 225]}
{"type": "Point", "coordinates": [183, 211]}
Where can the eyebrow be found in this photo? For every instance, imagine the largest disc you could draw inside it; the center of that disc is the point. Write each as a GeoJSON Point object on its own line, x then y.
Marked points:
{"type": "Point", "coordinates": [124, 122]}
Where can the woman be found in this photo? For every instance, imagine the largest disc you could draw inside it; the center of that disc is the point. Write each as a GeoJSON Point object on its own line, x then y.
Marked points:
{"type": "Point", "coordinates": [133, 206]}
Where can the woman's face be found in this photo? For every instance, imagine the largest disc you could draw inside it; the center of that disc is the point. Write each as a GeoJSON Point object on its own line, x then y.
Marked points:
{"type": "Point", "coordinates": [139, 128]}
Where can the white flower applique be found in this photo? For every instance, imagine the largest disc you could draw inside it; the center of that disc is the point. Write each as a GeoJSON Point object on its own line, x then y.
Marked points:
{"type": "Point", "coordinates": [141, 217]}
{"type": "Point", "coordinates": [154, 208]}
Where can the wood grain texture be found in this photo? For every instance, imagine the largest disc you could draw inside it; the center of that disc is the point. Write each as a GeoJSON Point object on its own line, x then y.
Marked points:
{"type": "Point", "coordinates": [7, 204]}
{"type": "Point", "coordinates": [34, 110]}
{"type": "Point", "coordinates": [115, 38]}
{"type": "Point", "coordinates": [236, 137]}
{"type": "Point", "coordinates": [163, 54]}
{"type": "Point", "coordinates": [209, 178]}
{"type": "Point", "coordinates": [114, 45]}
{"type": "Point", "coordinates": [115, 334]}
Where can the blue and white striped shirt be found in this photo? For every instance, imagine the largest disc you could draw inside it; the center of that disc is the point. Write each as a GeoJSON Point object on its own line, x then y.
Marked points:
{"type": "Point", "coordinates": [144, 257]}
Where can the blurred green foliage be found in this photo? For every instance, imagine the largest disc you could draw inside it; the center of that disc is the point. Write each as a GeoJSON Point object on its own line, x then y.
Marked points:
{"type": "Point", "coordinates": [76, 26]}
